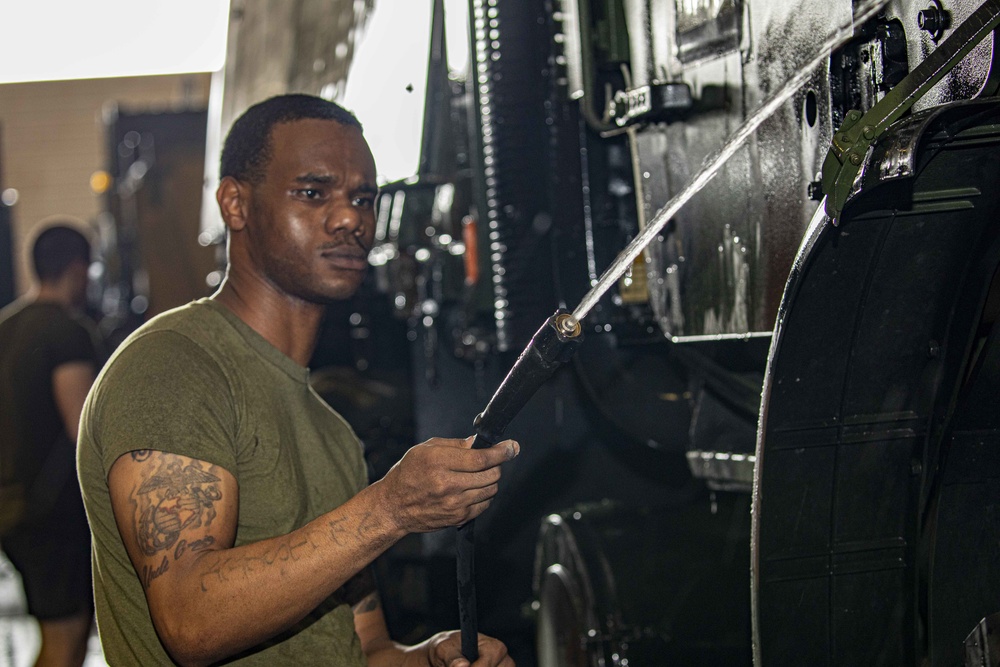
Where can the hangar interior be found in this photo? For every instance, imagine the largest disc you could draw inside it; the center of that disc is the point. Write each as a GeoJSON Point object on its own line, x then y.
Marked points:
{"type": "Point", "coordinates": [773, 443]}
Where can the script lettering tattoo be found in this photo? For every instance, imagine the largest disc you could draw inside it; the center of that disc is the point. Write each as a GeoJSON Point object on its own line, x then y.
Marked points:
{"type": "Point", "coordinates": [337, 529]}
{"type": "Point", "coordinates": [194, 547]}
{"type": "Point", "coordinates": [366, 524]}
{"type": "Point", "coordinates": [149, 573]}
{"type": "Point", "coordinates": [173, 497]}
{"type": "Point", "coordinates": [224, 567]}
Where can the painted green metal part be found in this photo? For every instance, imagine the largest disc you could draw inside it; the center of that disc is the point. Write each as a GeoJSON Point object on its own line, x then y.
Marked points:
{"type": "Point", "coordinates": [851, 142]}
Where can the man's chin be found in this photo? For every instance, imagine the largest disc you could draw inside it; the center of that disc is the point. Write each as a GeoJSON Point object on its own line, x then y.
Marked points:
{"type": "Point", "coordinates": [317, 288]}
{"type": "Point", "coordinates": [336, 293]}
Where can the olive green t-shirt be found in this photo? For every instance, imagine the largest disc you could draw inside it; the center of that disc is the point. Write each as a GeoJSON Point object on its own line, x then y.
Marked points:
{"type": "Point", "coordinates": [197, 381]}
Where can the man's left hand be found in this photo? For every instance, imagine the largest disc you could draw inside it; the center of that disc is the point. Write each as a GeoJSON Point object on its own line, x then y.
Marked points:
{"type": "Point", "coordinates": [445, 650]}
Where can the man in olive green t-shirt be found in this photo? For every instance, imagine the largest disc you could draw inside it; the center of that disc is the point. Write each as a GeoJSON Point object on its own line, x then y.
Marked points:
{"type": "Point", "coordinates": [228, 504]}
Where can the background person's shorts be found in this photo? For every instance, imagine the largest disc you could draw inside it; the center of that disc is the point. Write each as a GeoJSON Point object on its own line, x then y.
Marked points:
{"type": "Point", "coordinates": [53, 559]}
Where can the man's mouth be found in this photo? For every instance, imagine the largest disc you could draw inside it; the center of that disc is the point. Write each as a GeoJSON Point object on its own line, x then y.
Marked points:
{"type": "Point", "coordinates": [352, 258]}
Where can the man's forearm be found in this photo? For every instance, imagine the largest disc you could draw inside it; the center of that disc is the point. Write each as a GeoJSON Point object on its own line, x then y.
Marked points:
{"type": "Point", "coordinates": [218, 602]}
{"type": "Point", "coordinates": [208, 600]}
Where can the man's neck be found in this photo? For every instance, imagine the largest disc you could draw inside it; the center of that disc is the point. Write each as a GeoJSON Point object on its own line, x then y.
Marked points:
{"type": "Point", "coordinates": [290, 325]}
{"type": "Point", "coordinates": [49, 292]}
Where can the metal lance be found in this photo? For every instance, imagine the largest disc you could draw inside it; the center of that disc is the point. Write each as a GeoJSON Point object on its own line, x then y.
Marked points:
{"type": "Point", "coordinates": [550, 348]}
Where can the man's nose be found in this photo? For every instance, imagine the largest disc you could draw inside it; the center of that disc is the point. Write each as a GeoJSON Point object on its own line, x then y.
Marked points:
{"type": "Point", "coordinates": [345, 218]}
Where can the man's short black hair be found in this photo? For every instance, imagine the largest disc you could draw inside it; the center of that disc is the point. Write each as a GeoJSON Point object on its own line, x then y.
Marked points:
{"type": "Point", "coordinates": [248, 145]}
{"type": "Point", "coordinates": [56, 248]}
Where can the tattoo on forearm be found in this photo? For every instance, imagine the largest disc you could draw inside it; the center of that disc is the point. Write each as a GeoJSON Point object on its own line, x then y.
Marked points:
{"type": "Point", "coordinates": [222, 567]}
{"type": "Point", "coordinates": [337, 530]}
{"type": "Point", "coordinates": [366, 524]}
{"type": "Point", "coordinates": [194, 547]}
{"type": "Point", "coordinates": [148, 573]}
{"type": "Point", "coordinates": [171, 498]}
{"type": "Point", "coordinates": [175, 495]}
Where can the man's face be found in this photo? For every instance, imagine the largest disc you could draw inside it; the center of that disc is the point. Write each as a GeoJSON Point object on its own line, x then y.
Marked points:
{"type": "Point", "coordinates": [311, 220]}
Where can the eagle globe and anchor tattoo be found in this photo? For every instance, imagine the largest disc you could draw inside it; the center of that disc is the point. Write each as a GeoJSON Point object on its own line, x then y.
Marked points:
{"type": "Point", "coordinates": [174, 498]}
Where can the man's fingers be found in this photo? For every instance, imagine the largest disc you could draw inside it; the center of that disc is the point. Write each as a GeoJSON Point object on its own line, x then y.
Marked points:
{"type": "Point", "coordinates": [477, 509]}
{"type": "Point", "coordinates": [457, 443]}
{"type": "Point", "coordinates": [498, 453]}
{"type": "Point", "coordinates": [492, 653]}
{"type": "Point", "coordinates": [443, 483]}
{"type": "Point", "coordinates": [447, 650]}
{"type": "Point", "coordinates": [477, 460]}
{"type": "Point", "coordinates": [481, 480]}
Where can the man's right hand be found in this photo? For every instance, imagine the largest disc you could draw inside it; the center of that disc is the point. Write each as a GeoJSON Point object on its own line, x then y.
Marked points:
{"type": "Point", "coordinates": [443, 482]}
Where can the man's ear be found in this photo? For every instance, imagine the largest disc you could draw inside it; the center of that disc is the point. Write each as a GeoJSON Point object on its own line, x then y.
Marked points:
{"type": "Point", "coordinates": [233, 198]}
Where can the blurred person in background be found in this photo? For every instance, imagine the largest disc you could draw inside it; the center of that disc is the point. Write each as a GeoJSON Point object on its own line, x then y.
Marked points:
{"type": "Point", "coordinates": [49, 355]}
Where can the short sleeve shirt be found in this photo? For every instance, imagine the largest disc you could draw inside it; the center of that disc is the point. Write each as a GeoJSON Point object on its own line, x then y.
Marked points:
{"type": "Point", "coordinates": [197, 381]}
{"type": "Point", "coordinates": [36, 338]}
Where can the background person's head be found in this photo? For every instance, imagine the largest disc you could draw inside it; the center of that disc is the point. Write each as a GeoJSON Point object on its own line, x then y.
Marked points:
{"type": "Point", "coordinates": [247, 148]}
{"type": "Point", "coordinates": [60, 256]}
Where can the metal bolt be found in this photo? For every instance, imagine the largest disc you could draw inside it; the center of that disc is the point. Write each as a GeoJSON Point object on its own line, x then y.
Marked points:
{"type": "Point", "coordinates": [568, 325]}
{"type": "Point", "coordinates": [855, 159]}
{"type": "Point", "coordinates": [868, 132]}
{"type": "Point", "coordinates": [933, 20]}
{"type": "Point", "coordinates": [929, 19]}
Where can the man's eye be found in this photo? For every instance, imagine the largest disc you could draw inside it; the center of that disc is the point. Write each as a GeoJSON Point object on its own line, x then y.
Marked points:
{"type": "Point", "coordinates": [364, 202]}
{"type": "Point", "coordinates": [310, 193]}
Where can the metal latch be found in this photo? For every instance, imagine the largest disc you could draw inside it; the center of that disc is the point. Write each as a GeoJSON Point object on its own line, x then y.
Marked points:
{"type": "Point", "coordinates": [851, 142]}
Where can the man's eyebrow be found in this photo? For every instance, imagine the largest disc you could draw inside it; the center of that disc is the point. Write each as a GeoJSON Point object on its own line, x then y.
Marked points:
{"type": "Point", "coordinates": [318, 179]}
{"type": "Point", "coordinates": [328, 179]}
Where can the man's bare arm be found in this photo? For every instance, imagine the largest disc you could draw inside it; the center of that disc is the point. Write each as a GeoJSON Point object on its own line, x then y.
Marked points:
{"type": "Point", "coordinates": [208, 599]}
{"type": "Point", "coordinates": [70, 383]}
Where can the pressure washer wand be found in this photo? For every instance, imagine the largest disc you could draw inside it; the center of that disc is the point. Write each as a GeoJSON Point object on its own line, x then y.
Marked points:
{"type": "Point", "coordinates": [550, 348]}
